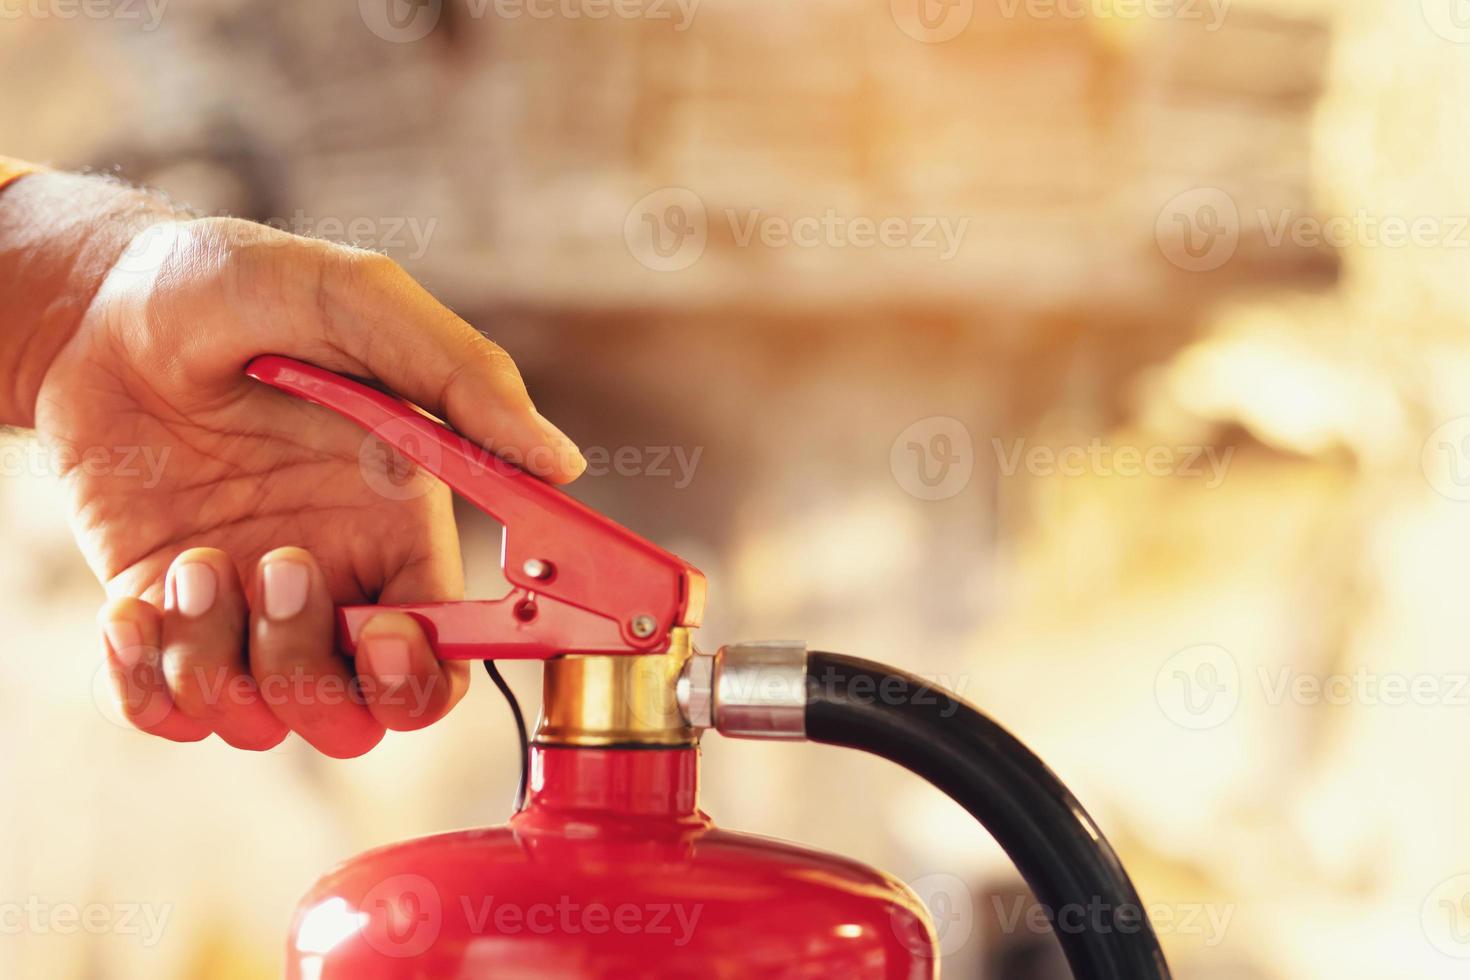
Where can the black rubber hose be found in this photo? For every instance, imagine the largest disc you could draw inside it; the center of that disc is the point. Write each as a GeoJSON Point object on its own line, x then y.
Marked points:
{"type": "Point", "coordinates": [1071, 868]}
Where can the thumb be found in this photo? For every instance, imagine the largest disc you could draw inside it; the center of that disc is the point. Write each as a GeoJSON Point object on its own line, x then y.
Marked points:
{"type": "Point", "coordinates": [376, 320]}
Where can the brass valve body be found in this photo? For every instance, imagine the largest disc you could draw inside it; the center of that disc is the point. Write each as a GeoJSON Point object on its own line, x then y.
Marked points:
{"type": "Point", "coordinates": [594, 701]}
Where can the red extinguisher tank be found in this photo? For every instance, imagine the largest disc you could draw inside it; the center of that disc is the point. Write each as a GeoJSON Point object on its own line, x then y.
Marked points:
{"type": "Point", "coordinates": [610, 872]}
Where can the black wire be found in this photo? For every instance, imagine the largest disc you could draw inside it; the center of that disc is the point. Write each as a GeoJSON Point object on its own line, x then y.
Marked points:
{"type": "Point", "coordinates": [520, 719]}
{"type": "Point", "coordinates": [1098, 916]}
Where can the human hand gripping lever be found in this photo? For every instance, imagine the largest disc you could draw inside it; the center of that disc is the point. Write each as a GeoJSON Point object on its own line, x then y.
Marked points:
{"type": "Point", "coordinates": [611, 614]}
{"type": "Point", "coordinates": [580, 582]}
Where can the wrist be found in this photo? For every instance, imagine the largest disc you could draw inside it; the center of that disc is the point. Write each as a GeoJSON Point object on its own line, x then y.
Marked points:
{"type": "Point", "coordinates": [60, 235]}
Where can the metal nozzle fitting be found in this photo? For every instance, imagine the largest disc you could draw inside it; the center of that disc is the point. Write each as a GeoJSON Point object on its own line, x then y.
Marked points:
{"type": "Point", "coordinates": [747, 690]}
{"type": "Point", "coordinates": [694, 691]}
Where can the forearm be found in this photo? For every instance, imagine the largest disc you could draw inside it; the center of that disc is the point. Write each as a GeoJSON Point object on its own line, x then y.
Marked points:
{"type": "Point", "coordinates": [59, 235]}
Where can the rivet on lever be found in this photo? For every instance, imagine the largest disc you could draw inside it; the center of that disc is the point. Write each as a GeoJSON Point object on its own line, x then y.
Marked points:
{"type": "Point", "coordinates": [644, 625]}
{"type": "Point", "coordinates": [537, 568]}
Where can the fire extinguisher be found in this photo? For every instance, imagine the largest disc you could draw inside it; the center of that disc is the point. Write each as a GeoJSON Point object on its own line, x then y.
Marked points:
{"type": "Point", "coordinates": [607, 868]}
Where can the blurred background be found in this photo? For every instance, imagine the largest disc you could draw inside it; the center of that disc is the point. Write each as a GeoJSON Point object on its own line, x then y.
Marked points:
{"type": "Point", "coordinates": [1107, 360]}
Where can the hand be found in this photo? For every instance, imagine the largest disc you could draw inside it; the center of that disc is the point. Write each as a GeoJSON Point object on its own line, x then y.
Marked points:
{"type": "Point", "coordinates": [226, 518]}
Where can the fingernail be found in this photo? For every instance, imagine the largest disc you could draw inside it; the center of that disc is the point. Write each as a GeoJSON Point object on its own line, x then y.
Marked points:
{"type": "Point", "coordinates": [569, 458]}
{"type": "Point", "coordinates": [126, 641]}
{"type": "Point", "coordinates": [388, 656]}
{"type": "Point", "coordinates": [194, 588]}
{"type": "Point", "coordinates": [286, 584]}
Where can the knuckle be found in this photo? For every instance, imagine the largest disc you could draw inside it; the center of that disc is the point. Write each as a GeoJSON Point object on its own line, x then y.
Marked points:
{"type": "Point", "coordinates": [245, 261]}
{"type": "Point", "coordinates": [209, 556]}
{"type": "Point", "coordinates": [491, 355]}
{"type": "Point", "coordinates": [481, 363]}
{"type": "Point", "coordinates": [200, 689]}
{"type": "Point", "coordinates": [361, 267]}
{"type": "Point", "coordinates": [205, 259]}
{"type": "Point", "coordinates": [198, 707]}
{"type": "Point", "coordinates": [127, 608]}
{"type": "Point", "coordinates": [208, 249]}
{"type": "Point", "coordinates": [287, 552]}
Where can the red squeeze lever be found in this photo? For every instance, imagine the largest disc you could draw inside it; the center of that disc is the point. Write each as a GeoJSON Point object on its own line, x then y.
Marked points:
{"type": "Point", "coordinates": [581, 583]}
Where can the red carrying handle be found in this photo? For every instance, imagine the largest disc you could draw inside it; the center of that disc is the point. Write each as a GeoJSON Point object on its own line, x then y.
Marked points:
{"type": "Point", "coordinates": [582, 583]}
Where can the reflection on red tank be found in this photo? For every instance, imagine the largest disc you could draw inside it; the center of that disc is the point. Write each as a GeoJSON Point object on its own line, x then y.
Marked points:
{"type": "Point", "coordinates": [610, 872]}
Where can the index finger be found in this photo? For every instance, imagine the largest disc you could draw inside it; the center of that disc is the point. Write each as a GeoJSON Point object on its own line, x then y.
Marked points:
{"type": "Point", "coordinates": [384, 323]}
